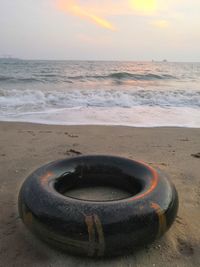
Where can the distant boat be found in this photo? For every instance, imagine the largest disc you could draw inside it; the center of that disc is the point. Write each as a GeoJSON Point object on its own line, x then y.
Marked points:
{"type": "Point", "coordinates": [165, 60]}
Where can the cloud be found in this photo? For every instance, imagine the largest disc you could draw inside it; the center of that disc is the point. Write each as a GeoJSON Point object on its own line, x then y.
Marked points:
{"type": "Point", "coordinates": [96, 13]}
{"type": "Point", "coordinates": [100, 12]}
{"type": "Point", "coordinates": [161, 23]}
{"type": "Point", "coordinates": [76, 9]}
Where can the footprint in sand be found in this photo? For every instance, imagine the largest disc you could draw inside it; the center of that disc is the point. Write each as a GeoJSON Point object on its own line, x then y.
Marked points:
{"type": "Point", "coordinates": [197, 155]}
{"type": "Point", "coordinates": [71, 135]}
{"type": "Point", "coordinates": [185, 247]}
{"type": "Point", "coordinates": [45, 132]}
{"type": "Point", "coordinates": [72, 151]}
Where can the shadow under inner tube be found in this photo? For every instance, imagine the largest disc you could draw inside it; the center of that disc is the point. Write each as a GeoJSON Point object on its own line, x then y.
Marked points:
{"type": "Point", "coordinates": [98, 228]}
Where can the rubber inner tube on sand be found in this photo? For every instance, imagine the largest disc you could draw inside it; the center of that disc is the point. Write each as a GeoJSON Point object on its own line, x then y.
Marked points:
{"type": "Point", "coordinates": [98, 228]}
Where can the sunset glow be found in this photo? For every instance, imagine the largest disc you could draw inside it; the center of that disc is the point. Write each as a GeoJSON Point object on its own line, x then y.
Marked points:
{"type": "Point", "coordinates": [144, 6]}
{"type": "Point", "coordinates": [74, 8]}
{"type": "Point", "coordinates": [105, 29]}
{"type": "Point", "coordinates": [97, 14]}
{"type": "Point", "coordinates": [161, 24]}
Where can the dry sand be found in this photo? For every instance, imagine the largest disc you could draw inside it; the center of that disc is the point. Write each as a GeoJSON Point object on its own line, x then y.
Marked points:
{"type": "Point", "coordinates": [24, 147]}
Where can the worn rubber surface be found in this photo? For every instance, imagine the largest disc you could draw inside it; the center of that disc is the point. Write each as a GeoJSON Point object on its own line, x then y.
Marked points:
{"type": "Point", "coordinates": [92, 228]}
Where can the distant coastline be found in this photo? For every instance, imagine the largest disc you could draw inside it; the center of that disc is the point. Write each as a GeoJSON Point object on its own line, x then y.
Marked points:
{"type": "Point", "coordinates": [9, 59]}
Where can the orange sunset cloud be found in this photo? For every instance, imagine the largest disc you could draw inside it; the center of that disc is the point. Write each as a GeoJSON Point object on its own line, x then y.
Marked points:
{"type": "Point", "coordinates": [98, 14]}
{"type": "Point", "coordinates": [75, 8]}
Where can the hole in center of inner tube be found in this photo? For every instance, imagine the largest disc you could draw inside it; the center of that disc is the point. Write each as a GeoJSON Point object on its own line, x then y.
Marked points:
{"type": "Point", "coordinates": [98, 186]}
{"type": "Point", "coordinates": [98, 193]}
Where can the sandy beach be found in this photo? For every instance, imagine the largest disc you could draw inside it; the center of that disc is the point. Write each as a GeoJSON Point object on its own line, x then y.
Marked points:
{"type": "Point", "coordinates": [24, 147]}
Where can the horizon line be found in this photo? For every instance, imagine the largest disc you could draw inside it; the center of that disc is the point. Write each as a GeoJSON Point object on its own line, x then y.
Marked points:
{"type": "Point", "coordinates": [101, 60]}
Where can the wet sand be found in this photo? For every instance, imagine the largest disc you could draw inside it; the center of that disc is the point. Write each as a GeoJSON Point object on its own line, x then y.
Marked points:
{"type": "Point", "coordinates": [24, 147]}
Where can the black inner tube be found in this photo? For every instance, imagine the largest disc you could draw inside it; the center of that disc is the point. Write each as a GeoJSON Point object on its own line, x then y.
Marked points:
{"type": "Point", "coordinates": [98, 228]}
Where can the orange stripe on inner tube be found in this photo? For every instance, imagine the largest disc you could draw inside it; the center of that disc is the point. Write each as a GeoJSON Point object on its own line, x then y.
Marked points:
{"type": "Point", "coordinates": [91, 232]}
{"type": "Point", "coordinates": [161, 218]}
{"type": "Point", "coordinates": [101, 246]}
{"type": "Point", "coordinates": [44, 179]}
{"type": "Point", "coordinates": [154, 183]}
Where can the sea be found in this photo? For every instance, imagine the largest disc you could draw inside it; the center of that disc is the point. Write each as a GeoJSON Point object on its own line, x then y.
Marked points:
{"type": "Point", "coordinates": [140, 94]}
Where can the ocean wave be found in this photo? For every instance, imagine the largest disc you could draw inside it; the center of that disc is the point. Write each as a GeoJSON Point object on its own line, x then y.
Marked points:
{"type": "Point", "coordinates": [4, 78]}
{"type": "Point", "coordinates": [18, 79]}
{"type": "Point", "coordinates": [115, 76]}
{"type": "Point", "coordinates": [32, 100]}
{"type": "Point", "coordinates": [126, 76]}
{"type": "Point", "coordinates": [141, 77]}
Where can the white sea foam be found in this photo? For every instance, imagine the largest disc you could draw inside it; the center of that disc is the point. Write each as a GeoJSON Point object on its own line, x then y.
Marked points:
{"type": "Point", "coordinates": [138, 116]}
{"type": "Point", "coordinates": [31, 100]}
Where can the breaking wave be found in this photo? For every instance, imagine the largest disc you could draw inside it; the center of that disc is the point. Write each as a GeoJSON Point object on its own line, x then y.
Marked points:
{"type": "Point", "coordinates": [31, 100]}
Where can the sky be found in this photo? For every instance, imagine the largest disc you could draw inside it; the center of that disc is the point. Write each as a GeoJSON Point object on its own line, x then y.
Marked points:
{"type": "Point", "coordinates": [101, 29]}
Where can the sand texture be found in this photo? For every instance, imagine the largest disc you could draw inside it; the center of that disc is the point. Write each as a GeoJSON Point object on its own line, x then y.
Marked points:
{"type": "Point", "coordinates": [25, 147]}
